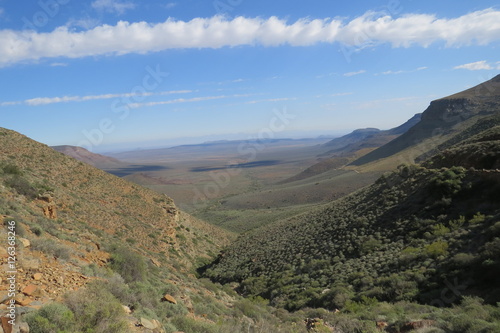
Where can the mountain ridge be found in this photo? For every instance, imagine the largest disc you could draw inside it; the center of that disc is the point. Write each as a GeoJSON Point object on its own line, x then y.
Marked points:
{"type": "Point", "coordinates": [441, 117]}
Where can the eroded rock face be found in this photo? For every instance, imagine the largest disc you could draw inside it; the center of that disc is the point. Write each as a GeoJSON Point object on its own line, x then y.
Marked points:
{"type": "Point", "coordinates": [50, 212]}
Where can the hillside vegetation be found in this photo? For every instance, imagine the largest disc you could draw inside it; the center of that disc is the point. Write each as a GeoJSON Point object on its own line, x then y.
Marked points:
{"type": "Point", "coordinates": [98, 254]}
{"type": "Point", "coordinates": [425, 234]}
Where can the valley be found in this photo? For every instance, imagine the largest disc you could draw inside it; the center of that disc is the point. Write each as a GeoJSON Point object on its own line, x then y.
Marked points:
{"type": "Point", "coordinates": [395, 230]}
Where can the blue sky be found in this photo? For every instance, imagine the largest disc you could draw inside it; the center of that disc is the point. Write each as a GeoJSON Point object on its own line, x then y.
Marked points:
{"type": "Point", "coordinates": [109, 74]}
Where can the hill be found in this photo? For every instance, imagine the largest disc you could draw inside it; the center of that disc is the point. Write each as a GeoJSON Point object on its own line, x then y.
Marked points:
{"type": "Point", "coordinates": [426, 234]}
{"type": "Point", "coordinates": [95, 253]}
{"type": "Point", "coordinates": [352, 146]}
{"type": "Point", "coordinates": [82, 154]}
{"type": "Point", "coordinates": [443, 118]}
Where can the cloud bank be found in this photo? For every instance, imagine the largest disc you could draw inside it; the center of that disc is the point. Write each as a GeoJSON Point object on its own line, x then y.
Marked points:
{"type": "Point", "coordinates": [477, 66]}
{"type": "Point", "coordinates": [66, 99]}
{"type": "Point", "coordinates": [476, 28]}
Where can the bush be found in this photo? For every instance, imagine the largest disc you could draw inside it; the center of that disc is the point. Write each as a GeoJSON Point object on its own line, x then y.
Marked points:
{"type": "Point", "coordinates": [190, 325]}
{"type": "Point", "coordinates": [22, 186]}
{"type": "Point", "coordinates": [130, 265]}
{"type": "Point", "coordinates": [50, 247]}
{"type": "Point", "coordinates": [437, 249]}
{"type": "Point", "coordinates": [52, 318]}
{"type": "Point", "coordinates": [98, 311]}
{"type": "Point", "coordinates": [11, 169]}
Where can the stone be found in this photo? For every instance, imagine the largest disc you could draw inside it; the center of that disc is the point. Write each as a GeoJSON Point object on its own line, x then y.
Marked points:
{"type": "Point", "coordinates": [170, 299]}
{"type": "Point", "coordinates": [155, 262]}
{"type": "Point", "coordinates": [146, 323]}
{"type": "Point", "coordinates": [24, 328]}
{"type": "Point", "coordinates": [3, 252]}
{"type": "Point", "coordinates": [50, 212]}
{"type": "Point", "coordinates": [37, 276]}
{"type": "Point", "coordinates": [23, 301]}
{"type": "Point", "coordinates": [4, 296]}
{"type": "Point", "coordinates": [126, 309]}
{"type": "Point", "coordinates": [33, 264]}
{"type": "Point", "coordinates": [25, 242]}
{"type": "Point", "coordinates": [157, 323]}
{"type": "Point", "coordinates": [7, 328]}
{"type": "Point", "coordinates": [29, 290]}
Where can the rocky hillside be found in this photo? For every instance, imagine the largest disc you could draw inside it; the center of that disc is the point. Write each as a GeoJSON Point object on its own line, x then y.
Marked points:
{"type": "Point", "coordinates": [95, 253]}
{"type": "Point", "coordinates": [444, 117]}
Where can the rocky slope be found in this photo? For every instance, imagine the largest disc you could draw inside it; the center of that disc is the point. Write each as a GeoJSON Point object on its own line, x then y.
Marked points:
{"type": "Point", "coordinates": [74, 226]}
{"type": "Point", "coordinates": [444, 117]}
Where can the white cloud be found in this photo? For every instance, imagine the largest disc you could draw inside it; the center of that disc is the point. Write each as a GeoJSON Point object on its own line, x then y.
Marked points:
{"type": "Point", "coordinates": [272, 100]}
{"type": "Point", "coordinates": [475, 66]}
{"type": "Point", "coordinates": [66, 99]}
{"type": "Point", "coordinates": [355, 73]}
{"type": "Point", "coordinates": [342, 94]}
{"type": "Point", "coordinates": [476, 28]}
{"type": "Point", "coordinates": [84, 23]}
{"type": "Point", "coordinates": [403, 71]}
{"type": "Point", "coordinates": [58, 64]}
{"type": "Point", "coordinates": [175, 101]}
{"type": "Point", "coordinates": [112, 6]}
{"type": "Point", "coordinates": [170, 5]}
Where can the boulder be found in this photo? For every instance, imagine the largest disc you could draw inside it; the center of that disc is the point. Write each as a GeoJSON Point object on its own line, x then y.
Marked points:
{"type": "Point", "coordinates": [169, 298]}
{"type": "Point", "coordinates": [7, 328]}
{"type": "Point", "coordinates": [25, 242]}
{"type": "Point", "coordinates": [146, 323]}
{"type": "Point", "coordinates": [37, 276]}
{"type": "Point", "coordinates": [29, 290]}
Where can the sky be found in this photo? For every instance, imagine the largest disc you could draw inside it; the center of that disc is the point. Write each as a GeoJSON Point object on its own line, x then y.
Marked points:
{"type": "Point", "coordinates": [121, 74]}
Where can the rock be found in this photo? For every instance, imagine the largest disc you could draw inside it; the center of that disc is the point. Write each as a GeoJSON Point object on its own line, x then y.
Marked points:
{"type": "Point", "coordinates": [7, 328]}
{"type": "Point", "coordinates": [29, 290]}
{"type": "Point", "coordinates": [33, 264]}
{"type": "Point", "coordinates": [155, 262]}
{"type": "Point", "coordinates": [47, 197]}
{"type": "Point", "coordinates": [3, 252]}
{"type": "Point", "coordinates": [157, 323]}
{"type": "Point", "coordinates": [126, 309]}
{"type": "Point", "coordinates": [169, 298]}
{"type": "Point", "coordinates": [4, 295]}
{"type": "Point", "coordinates": [23, 301]}
{"type": "Point", "coordinates": [37, 276]}
{"type": "Point", "coordinates": [146, 323]}
{"type": "Point", "coordinates": [50, 212]}
{"type": "Point", "coordinates": [25, 242]}
{"type": "Point", "coordinates": [24, 328]}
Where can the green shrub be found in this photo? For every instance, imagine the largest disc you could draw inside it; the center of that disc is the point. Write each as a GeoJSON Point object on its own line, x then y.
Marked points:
{"type": "Point", "coordinates": [477, 218]}
{"type": "Point", "coordinates": [22, 186]}
{"type": "Point", "coordinates": [130, 265]}
{"type": "Point", "coordinates": [52, 318]}
{"type": "Point", "coordinates": [437, 249]}
{"type": "Point", "coordinates": [50, 247]}
{"type": "Point", "coordinates": [193, 326]}
{"type": "Point", "coordinates": [97, 310]}
{"type": "Point", "coordinates": [11, 169]}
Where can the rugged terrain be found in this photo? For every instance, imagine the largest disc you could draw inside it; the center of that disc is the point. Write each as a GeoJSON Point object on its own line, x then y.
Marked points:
{"type": "Point", "coordinates": [416, 250]}
{"type": "Point", "coordinates": [414, 235]}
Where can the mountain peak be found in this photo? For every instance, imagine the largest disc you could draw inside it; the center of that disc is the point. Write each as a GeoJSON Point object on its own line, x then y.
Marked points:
{"type": "Point", "coordinates": [485, 90]}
